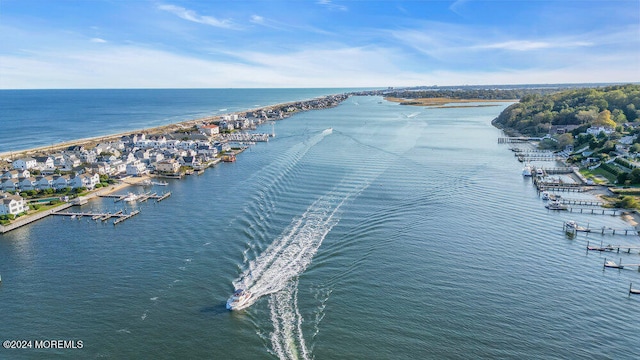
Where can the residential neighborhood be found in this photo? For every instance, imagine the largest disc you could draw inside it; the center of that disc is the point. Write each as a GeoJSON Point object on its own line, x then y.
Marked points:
{"type": "Point", "coordinates": [172, 152]}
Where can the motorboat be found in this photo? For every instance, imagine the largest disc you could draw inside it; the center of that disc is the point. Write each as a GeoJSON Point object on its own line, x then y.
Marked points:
{"type": "Point", "coordinates": [131, 197]}
{"type": "Point", "coordinates": [571, 225]}
{"type": "Point", "coordinates": [545, 195]}
{"type": "Point", "coordinates": [526, 170]}
{"type": "Point", "coordinates": [239, 300]}
{"type": "Point", "coordinates": [556, 205]}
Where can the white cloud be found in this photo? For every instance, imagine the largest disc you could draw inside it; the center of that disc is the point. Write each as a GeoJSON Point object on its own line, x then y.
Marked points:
{"type": "Point", "coordinates": [526, 45]}
{"type": "Point", "coordinates": [98, 40]}
{"type": "Point", "coordinates": [201, 19]}
{"type": "Point", "coordinates": [331, 6]}
{"type": "Point", "coordinates": [257, 19]}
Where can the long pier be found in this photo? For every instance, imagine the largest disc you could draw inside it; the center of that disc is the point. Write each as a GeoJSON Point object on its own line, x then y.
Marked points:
{"type": "Point", "coordinates": [517, 139]}
{"type": "Point", "coordinates": [574, 228]}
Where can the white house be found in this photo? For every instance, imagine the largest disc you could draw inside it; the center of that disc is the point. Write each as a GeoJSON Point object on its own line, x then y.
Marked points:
{"type": "Point", "coordinates": [24, 163]}
{"type": "Point", "coordinates": [44, 162]}
{"type": "Point", "coordinates": [210, 130]}
{"type": "Point", "coordinates": [136, 168]}
{"type": "Point", "coordinates": [12, 204]}
{"type": "Point", "coordinates": [118, 167]}
{"type": "Point", "coordinates": [170, 166]}
{"type": "Point", "coordinates": [85, 180]}
{"type": "Point", "coordinates": [595, 130]}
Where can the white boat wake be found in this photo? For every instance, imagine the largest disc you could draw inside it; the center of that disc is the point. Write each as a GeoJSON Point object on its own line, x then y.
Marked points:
{"type": "Point", "coordinates": [291, 253]}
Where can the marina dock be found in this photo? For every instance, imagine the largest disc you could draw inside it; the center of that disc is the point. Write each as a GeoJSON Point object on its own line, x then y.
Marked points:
{"type": "Point", "coordinates": [139, 197]}
{"type": "Point", "coordinates": [572, 227]}
{"type": "Point", "coordinates": [119, 216]}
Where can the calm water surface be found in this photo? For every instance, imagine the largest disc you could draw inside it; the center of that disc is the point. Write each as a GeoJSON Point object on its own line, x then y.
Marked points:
{"type": "Point", "coordinates": [402, 233]}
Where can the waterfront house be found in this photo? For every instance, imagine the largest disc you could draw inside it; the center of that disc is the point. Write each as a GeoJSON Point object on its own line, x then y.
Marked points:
{"type": "Point", "coordinates": [168, 166]}
{"type": "Point", "coordinates": [136, 168]}
{"type": "Point", "coordinates": [61, 182]}
{"type": "Point", "coordinates": [27, 184]}
{"type": "Point", "coordinates": [12, 204]}
{"type": "Point", "coordinates": [207, 150]}
{"type": "Point", "coordinates": [44, 182]}
{"type": "Point", "coordinates": [10, 184]}
{"type": "Point", "coordinates": [88, 181]}
{"type": "Point", "coordinates": [25, 163]}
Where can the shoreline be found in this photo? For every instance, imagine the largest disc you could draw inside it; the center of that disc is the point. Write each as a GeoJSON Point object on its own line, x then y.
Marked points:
{"type": "Point", "coordinates": [30, 218]}
{"type": "Point", "coordinates": [168, 127]}
{"type": "Point", "coordinates": [319, 103]}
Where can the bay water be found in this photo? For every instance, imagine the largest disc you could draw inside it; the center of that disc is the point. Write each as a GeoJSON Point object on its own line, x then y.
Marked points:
{"type": "Point", "coordinates": [366, 231]}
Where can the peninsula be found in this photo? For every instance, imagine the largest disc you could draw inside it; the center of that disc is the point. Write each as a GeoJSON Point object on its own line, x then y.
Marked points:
{"type": "Point", "coordinates": [38, 182]}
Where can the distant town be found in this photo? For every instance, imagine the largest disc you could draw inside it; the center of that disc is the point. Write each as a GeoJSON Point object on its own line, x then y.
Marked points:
{"type": "Point", "coordinates": [61, 173]}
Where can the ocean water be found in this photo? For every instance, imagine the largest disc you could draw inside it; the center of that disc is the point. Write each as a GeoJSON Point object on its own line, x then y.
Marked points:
{"type": "Point", "coordinates": [35, 118]}
{"type": "Point", "coordinates": [366, 231]}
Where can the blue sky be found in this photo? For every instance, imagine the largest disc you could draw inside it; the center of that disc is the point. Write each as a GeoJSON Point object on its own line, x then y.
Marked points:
{"type": "Point", "coordinates": [315, 43]}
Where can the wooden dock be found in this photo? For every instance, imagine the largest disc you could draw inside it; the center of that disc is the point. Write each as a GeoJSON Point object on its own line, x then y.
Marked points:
{"type": "Point", "coordinates": [517, 139]}
{"type": "Point", "coordinates": [125, 217]}
{"type": "Point", "coordinates": [602, 231]}
{"type": "Point", "coordinates": [613, 265]}
{"type": "Point", "coordinates": [119, 216]}
{"type": "Point", "coordinates": [140, 197]}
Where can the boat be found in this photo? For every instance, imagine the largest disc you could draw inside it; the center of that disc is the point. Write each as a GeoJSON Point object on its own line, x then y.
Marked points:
{"type": "Point", "coordinates": [545, 195]}
{"type": "Point", "coordinates": [239, 300]}
{"type": "Point", "coordinates": [131, 197]}
{"type": "Point", "coordinates": [556, 205]}
{"type": "Point", "coordinates": [632, 290]}
{"type": "Point", "coordinates": [146, 182]}
{"type": "Point", "coordinates": [163, 183]}
{"type": "Point", "coordinates": [612, 264]}
{"type": "Point", "coordinates": [571, 225]}
{"type": "Point", "coordinates": [540, 172]}
{"type": "Point", "coordinates": [526, 170]}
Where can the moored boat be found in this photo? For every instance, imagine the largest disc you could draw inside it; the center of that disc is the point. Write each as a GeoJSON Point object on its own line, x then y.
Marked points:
{"type": "Point", "coordinates": [526, 170]}
{"type": "Point", "coordinates": [131, 197]}
{"type": "Point", "coordinates": [556, 205]}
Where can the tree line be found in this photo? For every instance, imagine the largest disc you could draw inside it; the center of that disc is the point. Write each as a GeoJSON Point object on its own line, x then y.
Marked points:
{"type": "Point", "coordinates": [608, 106]}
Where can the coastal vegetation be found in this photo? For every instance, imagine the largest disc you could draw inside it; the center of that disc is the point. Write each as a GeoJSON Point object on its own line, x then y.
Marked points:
{"type": "Point", "coordinates": [535, 114]}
